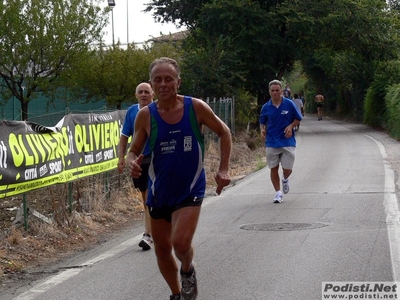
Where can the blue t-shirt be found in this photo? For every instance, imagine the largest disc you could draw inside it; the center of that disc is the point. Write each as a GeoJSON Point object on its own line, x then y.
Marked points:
{"type": "Point", "coordinates": [129, 125]}
{"type": "Point", "coordinates": [176, 169]}
{"type": "Point", "coordinates": [276, 119]}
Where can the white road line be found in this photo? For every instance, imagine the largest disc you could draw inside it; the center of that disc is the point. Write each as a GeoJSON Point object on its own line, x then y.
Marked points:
{"type": "Point", "coordinates": [392, 212]}
{"type": "Point", "coordinates": [65, 275]}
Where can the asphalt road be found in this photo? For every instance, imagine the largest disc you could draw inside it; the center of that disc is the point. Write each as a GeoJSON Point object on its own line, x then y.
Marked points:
{"type": "Point", "coordinates": [339, 223]}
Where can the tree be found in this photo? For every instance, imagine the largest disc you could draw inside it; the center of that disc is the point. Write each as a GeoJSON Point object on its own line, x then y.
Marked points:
{"type": "Point", "coordinates": [252, 40]}
{"type": "Point", "coordinates": [110, 73]}
{"type": "Point", "coordinates": [39, 40]}
{"type": "Point", "coordinates": [209, 70]}
{"type": "Point", "coordinates": [355, 37]}
{"type": "Point", "coordinates": [339, 42]}
{"type": "Point", "coordinates": [183, 12]}
{"type": "Point", "coordinates": [113, 73]}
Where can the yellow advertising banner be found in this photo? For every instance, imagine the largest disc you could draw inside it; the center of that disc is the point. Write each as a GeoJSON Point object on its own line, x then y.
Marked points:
{"type": "Point", "coordinates": [33, 156]}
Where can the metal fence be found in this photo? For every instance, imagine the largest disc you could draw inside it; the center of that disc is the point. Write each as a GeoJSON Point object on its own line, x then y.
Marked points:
{"type": "Point", "coordinates": [224, 108]}
{"type": "Point", "coordinates": [47, 113]}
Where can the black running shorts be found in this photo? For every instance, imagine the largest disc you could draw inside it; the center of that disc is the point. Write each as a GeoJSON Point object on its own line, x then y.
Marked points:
{"type": "Point", "coordinates": [166, 212]}
{"type": "Point", "coordinates": [142, 181]}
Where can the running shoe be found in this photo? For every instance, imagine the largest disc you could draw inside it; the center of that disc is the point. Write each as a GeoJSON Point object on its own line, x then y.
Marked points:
{"type": "Point", "coordinates": [175, 297]}
{"type": "Point", "coordinates": [278, 198]}
{"type": "Point", "coordinates": [146, 242]}
{"type": "Point", "coordinates": [285, 186]}
{"type": "Point", "coordinates": [189, 285]}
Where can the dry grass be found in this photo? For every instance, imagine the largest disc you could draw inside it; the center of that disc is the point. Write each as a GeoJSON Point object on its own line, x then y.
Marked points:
{"type": "Point", "coordinates": [97, 214]}
{"type": "Point", "coordinates": [247, 156]}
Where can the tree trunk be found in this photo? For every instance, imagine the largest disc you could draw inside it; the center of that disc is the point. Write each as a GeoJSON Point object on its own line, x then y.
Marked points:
{"type": "Point", "coordinates": [24, 110]}
{"type": "Point", "coordinates": [262, 98]}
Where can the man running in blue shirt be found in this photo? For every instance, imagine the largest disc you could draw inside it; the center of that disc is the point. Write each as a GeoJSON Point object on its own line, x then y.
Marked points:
{"type": "Point", "coordinates": [144, 94]}
{"type": "Point", "coordinates": [278, 118]}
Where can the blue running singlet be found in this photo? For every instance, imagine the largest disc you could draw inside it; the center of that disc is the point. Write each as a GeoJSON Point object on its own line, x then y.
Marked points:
{"type": "Point", "coordinates": [177, 152]}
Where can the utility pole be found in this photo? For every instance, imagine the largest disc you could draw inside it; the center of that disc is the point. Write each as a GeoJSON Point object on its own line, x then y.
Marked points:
{"type": "Point", "coordinates": [127, 22]}
{"type": "Point", "coordinates": [111, 3]}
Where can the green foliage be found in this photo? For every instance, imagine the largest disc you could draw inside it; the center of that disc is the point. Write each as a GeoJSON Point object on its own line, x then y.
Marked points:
{"type": "Point", "coordinates": [184, 12]}
{"type": "Point", "coordinates": [296, 80]}
{"type": "Point", "coordinates": [208, 70]}
{"type": "Point", "coordinates": [113, 73]}
{"type": "Point", "coordinates": [348, 40]}
{"type": "Point", "coordinates": [387, 74]}
{"type": "Point", "coordinates": [235, 48]}
{"type": "Point", "coordinates": [246, 43]}
{"type": "Point", "coordinates": [393, 110]}
{"type": "Point", "coordinates": [171, 49]}
{"type": "Point", "coordinates": [255, 37]}
{"type": "Point", "coordinates": [374, 107]}
{"type": "Point", "coordinates": [245, 110]}
{"type": "Point", "coordinates": [237, 45]}
{"type": "Point", "coordinates": [40, 38]}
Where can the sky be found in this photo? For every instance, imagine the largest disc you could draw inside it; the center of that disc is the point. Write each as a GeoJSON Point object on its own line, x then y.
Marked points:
{"type": "Point", "coordinates": [131, 22]}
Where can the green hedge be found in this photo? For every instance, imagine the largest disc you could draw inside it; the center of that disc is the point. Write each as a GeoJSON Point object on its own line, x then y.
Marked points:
{"type": "Point", "coordinates": [392, 101]}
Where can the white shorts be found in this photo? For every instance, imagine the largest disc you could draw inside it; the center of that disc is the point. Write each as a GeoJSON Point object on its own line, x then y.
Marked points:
{"type": "Point", "coordinates": [285, 156]}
